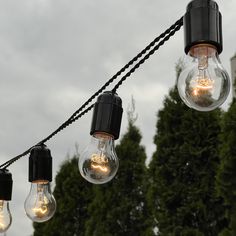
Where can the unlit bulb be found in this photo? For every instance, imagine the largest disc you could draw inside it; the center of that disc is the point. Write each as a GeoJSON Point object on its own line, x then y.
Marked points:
{"type": "Point", "coordinates": [40, 204]}
{"type": "Point", "coordinates": [5, 216]}
{"type": "Point", "coordinates": [98, 164]}
{"type": "Point", "coordinates": [203, 84]}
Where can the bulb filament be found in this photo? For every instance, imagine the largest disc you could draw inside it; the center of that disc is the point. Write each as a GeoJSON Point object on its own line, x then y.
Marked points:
{"type": "Point", "coordinates": [204, 83]}
{"type": "Point", "coordinates": [40, 211]}
{"type": "Point", "coordinates": [99, 162]}
{"type": "Point", "coordinates": [41, 206]}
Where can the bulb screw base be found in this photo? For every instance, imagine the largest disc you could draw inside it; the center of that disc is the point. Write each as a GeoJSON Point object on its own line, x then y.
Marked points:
{"type": "Point", "coordinates": [107, 114]}
{"type": "Point", "coordinates": [5, 185]}
{"type": "Point", "coordinates": [203, 24]}
{"type": "Point", "coordinates": [40, 164]}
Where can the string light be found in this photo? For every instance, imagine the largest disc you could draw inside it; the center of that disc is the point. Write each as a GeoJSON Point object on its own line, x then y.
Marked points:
{"type": "Point", "coordinates": [101, 165]}
{"type": "Point", "coordinates": [203, 84]}
{"type": "Point", "coordinates": [5, 197]}
{"type": "Point", "coordinates": [40, 204]}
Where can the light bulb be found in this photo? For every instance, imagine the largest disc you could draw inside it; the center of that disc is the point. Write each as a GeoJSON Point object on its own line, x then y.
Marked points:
{"type": "Point", "coordinates": [5, 216]}
{"type": "Point", "coordinates": [203, 84]}
{"type": "Point", "coordinates": [98, 164]}
{"type": "Point", "coordinates": [40, 205]}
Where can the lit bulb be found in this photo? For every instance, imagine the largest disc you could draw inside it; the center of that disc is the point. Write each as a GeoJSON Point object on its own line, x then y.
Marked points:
{"type": "Point", "coordinates": [203, 84]}
{"type": "Point", "coordinates": [98, 164]}
{"type": "Point", "coordinates": [5, 216]}
{"type": "Point", "coordinates": [40, 205]}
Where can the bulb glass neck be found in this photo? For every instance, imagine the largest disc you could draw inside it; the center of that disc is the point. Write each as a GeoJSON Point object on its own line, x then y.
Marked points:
{"type": "Point", "coordinates": [203, 50]}
{"type": "Point", "coordinates": [103, 136]}
{"type": "Point", "coordinates": [40, 182]}
{"type": "Point", "coordinates": [40, 186]}
{"type": "Point", "coordinates": [102, 141]}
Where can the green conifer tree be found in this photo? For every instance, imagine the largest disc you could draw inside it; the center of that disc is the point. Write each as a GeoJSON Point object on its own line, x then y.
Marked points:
{"type": "Point", "coordinates": [226, 179]}
{"type": "Point", "coordinates": [119, 208]}
{"type": "Point", "coordinates": [73, 194]}
{"type": "Point", "coordinates": [182, 171]}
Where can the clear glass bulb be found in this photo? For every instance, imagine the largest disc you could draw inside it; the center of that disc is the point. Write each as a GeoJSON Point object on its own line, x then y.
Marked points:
{"type": "Point", "coordinates": [5, 216]}
{"type": "Point", "coordinates": [203, 84]}
{"type": "Point", "coordinates": [98, 164]}
{"type": "Point", "coordinates": [40, 204]}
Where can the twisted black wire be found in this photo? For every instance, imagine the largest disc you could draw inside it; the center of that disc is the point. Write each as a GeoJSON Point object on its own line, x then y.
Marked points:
{"type": "Point", "coordinates": [14, 159]}
{"type": "Point", "coordinates": [150, 53]}
{"type": "Point", "coordinates": [76, 115]}
{"type": "Point", "coordinates": [131, 62]}
{"type": "Point", "coordinates": [147, 48]}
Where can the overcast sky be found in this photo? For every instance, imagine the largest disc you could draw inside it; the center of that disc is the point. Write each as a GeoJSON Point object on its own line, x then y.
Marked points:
{"type": "Point", "coordinates": [55, 53]}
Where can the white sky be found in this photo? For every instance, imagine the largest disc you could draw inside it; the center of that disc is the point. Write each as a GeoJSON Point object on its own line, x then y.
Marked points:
{"type": "Point", "coordinates": [55, 53]}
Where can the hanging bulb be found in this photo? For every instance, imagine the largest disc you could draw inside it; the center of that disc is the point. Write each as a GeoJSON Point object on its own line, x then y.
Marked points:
{"type": "Point", "coordinates": [99, 163]}
{"type": "Point", "coordinates": [203, 84]}
{"type": "Point", "coordinates": [40, 204]}
{"type": "Point", "coordinates": [5, 197]}
{"type": "Point", "coordinates": [5, 216]}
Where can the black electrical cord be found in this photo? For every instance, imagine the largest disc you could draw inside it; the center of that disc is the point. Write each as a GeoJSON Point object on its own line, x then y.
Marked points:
{"type": "Point", "coordinates": [150, 48]}
{"type": "Point", "coordinates": [8, 163]}
{"type": "Point", "coordinates": [150, 53]}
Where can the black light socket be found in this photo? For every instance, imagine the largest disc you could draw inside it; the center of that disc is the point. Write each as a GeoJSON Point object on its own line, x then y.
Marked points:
{"type": "Point", "coordinates": [5, 185]}
{"type": "Point", "coordinates": [203, 24]}
{"type": "Point", "coordinates": [107, 114]}
{"type": "Point", "coordinates": [40, 164]}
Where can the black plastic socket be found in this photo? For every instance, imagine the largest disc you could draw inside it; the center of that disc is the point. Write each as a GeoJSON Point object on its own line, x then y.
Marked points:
{"type": "Point", "coordinates": [203, 24]}
{"type": "Point", "coordinates": [40, 164]}
{"type": "Point", "coordinates": [107, 114]}
{"type": "Point", "coordinates": [5, 185]}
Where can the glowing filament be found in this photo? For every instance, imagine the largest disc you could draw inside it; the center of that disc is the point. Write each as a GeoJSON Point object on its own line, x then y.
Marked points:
{"type": "Point", "coordinates": [204, 83]}
{"type": "Point", "coordinates": [41, 206]}
{"type": "Point", "coordinates": [99, 162]}
{"type": "Point", "coordinates": [40, 211]}
{"type": "Point", "coordinates": [104, 169]}
{"type": "Point", "coordinates": [2, 224]}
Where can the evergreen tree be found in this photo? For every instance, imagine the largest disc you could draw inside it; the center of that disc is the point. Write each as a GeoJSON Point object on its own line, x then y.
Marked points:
{"type": "Point", "coordinates": [182, 171]}
{"type": "Point", "coordinates": [226, 179]}
{"type": "Point", "coordinates": [119, 208]}
{"type": "Point", "coordinates": [73, 194]}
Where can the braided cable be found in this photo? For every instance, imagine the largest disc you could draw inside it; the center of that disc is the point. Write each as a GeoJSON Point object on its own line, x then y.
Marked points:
{"type": "Point", "coordinates": [150, 53]}
{"type": "Point", "coordinates": [79, 113]}
{"type": "Point", "coordinates": [14, 159]}
{"type": "Point", "coordinates": [124, 68]}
